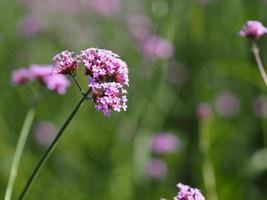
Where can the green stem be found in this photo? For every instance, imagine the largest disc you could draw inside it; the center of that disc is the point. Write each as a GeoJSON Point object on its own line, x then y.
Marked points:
{"type": "Point", "coordinates": [18, 152]}
{"type": "Point", "coordinates": [51, 147]}
{"type": "Point", "coordinates": [256, 53]}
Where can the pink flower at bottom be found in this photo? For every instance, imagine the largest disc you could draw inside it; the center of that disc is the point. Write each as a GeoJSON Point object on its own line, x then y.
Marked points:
{"type": "Point", "coordinates": [57, 83]}
{"type": "Point", "coordinates": [188, 193]}
{"type": "Point", "coordinates": [253, 29]}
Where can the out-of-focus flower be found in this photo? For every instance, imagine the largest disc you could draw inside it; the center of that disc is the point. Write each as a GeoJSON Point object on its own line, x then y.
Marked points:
{"type": "Point", "coordinates": [65, 63]}
{"type": "Point", "coordinates": [260, 106]}
{"type": "Point", "coordinates": [108, 76]}
{"type": "Point", "coordinates": [20, 76]}
{"type": "Point", "coordinates": [165, 143]}
{"type": "Point", "coordinates": [40, 71]}
{"type": "Point", "coordinates": [57, 83]}
{"type": "Point", "coordinates": [156, 47]}
{"type": "Point", "coordinates": [140, 27]}
{"type": "Point", "coordinates": [29, 26]}
{"type": "Point", "coordinates": [106, 7]}
{"type": "Point", "coordinates": [157, 169]}
{"type": "Point", "coordinates": [204, 110]}
{"type": "Point", "coordinates": [253, 29]}
{"type": "Point", "coordinates": [44, 132]}
{"type": "Point", "coordinates": [188, 193]}
{"type": "Point", "coordinates": [227, 104]}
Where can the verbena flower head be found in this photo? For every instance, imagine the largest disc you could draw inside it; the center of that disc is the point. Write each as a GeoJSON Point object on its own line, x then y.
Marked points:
{"type": "Point", "coordinates": [253, 29]}
{"type": "Point", "coordinates": [165, 143]}
{"type": "Point", "coordinates": [188, 193]}
{"type": "Point", "coordinates": [40, 71]}
{"type": "Point", "coordinates": [21, 76]}
{"type": "Point", "coordinates": [44, 132]}
{"type": "Point", "coordinates": [65, 63]}
{"type": "Point", "coordinates": [57, 83]}
{"type": "Point", "coordinates": [108, 77]}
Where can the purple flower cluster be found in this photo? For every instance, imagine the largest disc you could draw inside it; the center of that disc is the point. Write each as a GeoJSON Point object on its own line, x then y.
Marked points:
{"type": "Point", "coordinates": [253, 29]}
{"type": "Point", "coordinates": [188, 193]}
{"type": "Point", "coordinates": [108, 76]}
{"type": "Point", "coordinates": [65, 63]}
{"type": "Point", "coordinates": [43, 73]}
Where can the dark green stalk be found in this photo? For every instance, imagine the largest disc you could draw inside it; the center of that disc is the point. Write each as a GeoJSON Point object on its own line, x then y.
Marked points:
{"type": "Point", "coordinates": [52, 146]}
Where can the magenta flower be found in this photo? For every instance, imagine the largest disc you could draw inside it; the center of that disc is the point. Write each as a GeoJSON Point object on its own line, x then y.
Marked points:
{"type": "Point", "coordinates": [253, 29]}
{"type": "Point", "coordinates": [188, 193]}
{"type": "Point", "coordinates": [157, 47]}
{"type": "Point", "coordinates": [227, 104]}
{"type": "Point", "coordinates": [57, 83]}
{"type": "Point", "coordinates": [204, 110]}
{"type": "Point", "coordinates": [108, 76]}
{"type": "Point", "coordinates": [40, 71]}
{"type": "Point", "coordinates": [20, 76]}
{"type": "Point", "coordinates": [45, 132]}
{"type": "Point", "coordinates": [65, 63]}
{"type": "Point", "coordinates": [165, 143]}
{"type": "Point", "coordinates": [157, 169]}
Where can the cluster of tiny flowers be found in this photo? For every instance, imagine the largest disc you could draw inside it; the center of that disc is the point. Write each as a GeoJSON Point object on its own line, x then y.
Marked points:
{"type": "Point", "coordinates": [188, 193]}
{"type": "Point", "coordinates": [43, 73]}
{"type": "Point", "coordinates": [65, 63]}
{"type": "Point", "coordinates": [253, 29]}
{"type": "Point", "coordinates": [108, 77]}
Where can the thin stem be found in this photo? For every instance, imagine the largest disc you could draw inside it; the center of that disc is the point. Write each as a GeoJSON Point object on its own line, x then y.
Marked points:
{"type": "Point", "coordinates": [77, 83]}
{"type": "Point", "coordinates": [256, 53]}
{"type": "Point", "coordinates": [51, 147]}
{"type": "Point", "coordinates": [18, 152]}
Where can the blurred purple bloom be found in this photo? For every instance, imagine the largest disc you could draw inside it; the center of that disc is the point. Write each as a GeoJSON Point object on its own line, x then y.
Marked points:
{"type": "Point", "coordinates": [253, 29]}
{"type": "Point", "coordinates": [140, 27]}
{"type": "Point", "coordinates": [157, 47]}
{"type": "Point", "coordinates": [106, 7]}
{"type": "Point", "coordinates": [204, 110]}
{"type": "Point", "coordinates": [260, 106]}
{"type": "Point", "coordinates": [40, 71]}
{"type": "Point", "coordinates": [188, 193]}
{"type": "Point", "coordinates": [57, 83]}
{"type": "Point", "coordinates": [20, 76]}
{"type": "Point", "coordinates": [108, 76]}
{"type": "Point", "coordinates": [29, 26]}
{"type": "Point", "coordinates": [165, 143]}
{"type": "Point", "coordinates": [157, 169]}
{"type": "Point", "coordinates": [44, 132]}
{"type": "Point", "coordinates": [227, 104]}
{"type": "Point", "coordinates": [65, 63]}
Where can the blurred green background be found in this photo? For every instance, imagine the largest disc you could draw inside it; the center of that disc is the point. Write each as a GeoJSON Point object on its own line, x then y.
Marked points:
{"type": "Point", "coordinates": [222, 152]}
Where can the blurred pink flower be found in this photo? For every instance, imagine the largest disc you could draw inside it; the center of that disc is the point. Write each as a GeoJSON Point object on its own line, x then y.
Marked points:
{"type": "Point", "coordinates": [29, 26]}
{"type": "Point", "coordinates": [106, 7]}
{"type": "Point", "coordinates": [165, 143]}
{"type": "Point", "coordinates": [260, 106]}
{"type": "Point", "coordinates": [204, 110]}
{"type": "Point", "coordinates": [57, 83]}
{"type": "Point", "coordinates": [44, 132]}
{"type": "Point", "coordinates": [157, 169]}
{"type": "Point", "coordinates": [140, 27]}
{"type": "Point", "coordinates": [156, 47]}
{"type": "Point", "coordinates": [20, 76]}
{"type": "Point", "coordinates": [253, 29]}
{"type": "Point", "coordinates": [40, 71]}
{"type": "Point", "coordinates": [227, 104]}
